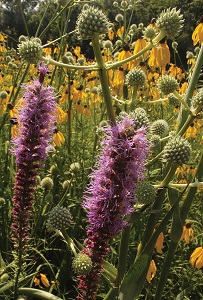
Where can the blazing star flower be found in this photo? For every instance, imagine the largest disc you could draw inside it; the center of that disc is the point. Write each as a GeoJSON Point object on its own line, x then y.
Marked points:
{"type": "Point", "coordinates": [36, 126]}
{"type": "Point", "coordinates": [110, 194]}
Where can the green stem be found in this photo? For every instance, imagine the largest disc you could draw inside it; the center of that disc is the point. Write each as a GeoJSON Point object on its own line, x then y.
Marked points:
{"type": "Point", "coordinates": [103, 78]}
{"type": "Point", "coordinates": [123, 253]}
{"type": "Point", "coordinates": [69, 241]}
{"type": "Point", "coordinates": [23, 17]}
{"type": "Point", "coordinates": [38, 294]}
{"type": "Point", "coordinates": [133, 101]}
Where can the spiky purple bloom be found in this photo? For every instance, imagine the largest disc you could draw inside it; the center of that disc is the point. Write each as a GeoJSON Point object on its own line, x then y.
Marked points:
{"type": "Point", "coordinates": [110, 194]}
{"type": "Point", "coordinates": [36, 120]}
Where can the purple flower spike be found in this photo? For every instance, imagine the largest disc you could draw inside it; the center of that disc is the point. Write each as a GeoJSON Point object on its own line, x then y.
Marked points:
{"type": "Point", "coordinates": [37, 118]}
{"type": "Point", "coordinates": [110, 195]}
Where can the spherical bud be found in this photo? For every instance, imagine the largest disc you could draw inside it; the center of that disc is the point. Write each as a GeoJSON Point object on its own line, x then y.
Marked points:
{"type": "Point", "coordinates": [30, 50]}
{"type": "Point", "coordinates": [66, 184]}
{"type": "Point", "coordinates": [197, 50]}
{"type": "Point", "coordinates": [118, 44]}
{"type": "Point", "coordinates": [82, 264]}
{"type": "Point", "coordinates": [133, 27]}
{"type": "Point", "coordinates": [139, 115]}
{"type": "Point", "coordinates": [149, 33]}
{"type": "Point", "coordinates": [189, 55]}
{"type": "Point", "coordinates": [177, 150]}
{"type": "Point", "coordinates": [3, 94]}
{"type": "Point", "coordinates": [49, 198]}
{"type": "Point", "coordinates": [170, 22]}
{"type": "Point", "coordinates": [140, 26]}
{"type": "Point", "coordinates": [119, 18]}
{"type": "Point", "coordinates": [47, 183]}
{"type": "Point", "coordinates": [167, 84]}
{"type": "Point", "coordinates": [22, 38]}
{"type": "Point", "coordinates": [81, 61]}
{"type": "Point", "coordinates": [135, 77]}
{"type": "Point", "coordinates": [197, 100]}
{"type": "Point", "coordinates": [4, 278]}
{"type": "Point", "coordinates": [154, 139]}
{"type": "Point", "coordinates": [2, 202]}
{"type": "Point", "coordinates": [115, 4]}
{"type": "Point", "coordinates": [67, 60]}
{"type": "Point", "coordinates": [75, 167]}
{"type": "Point", "coordinates": [145, 192]}
{"type": "Point", "coordinates": [54, 170]}
{"type": "Point", "coordinates": [124, 4]}
{"type": "Point", "coordinates": [107, 44]}
{"type": "Point", "coordinates": [159, 127]}
{"type": "Point", "coordinates": [94, 90]}
{"type": "Point", "coordinates": [173, 100]}
{"type": "Point", "coordinates": [91, 21]}
{"type": "Point", "coordinates": [174, 45]}
{"type": "Point", "coordinates": [59, 217]}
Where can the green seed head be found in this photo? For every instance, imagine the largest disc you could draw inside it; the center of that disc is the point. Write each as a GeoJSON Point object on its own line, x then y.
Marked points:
{"type": "Point", "coordinates": [139, 115]}
{"type": "Point", "coordinates": [149, 33]}
{"type": "Point", "coordinates": [145, 192]}
{"type": "Point", "coordinates": [173, 100]}
{"type": "Point", "coordinates": [177, 150]}
{"type": "Point", "coordinates": [197, 100]}
{"type": "Point", "coordinates": [136, 77]}
{"type": "Point", "coordinates": [47, 183]}
{"type": "Point", "coordinates": [75, 167]}
{"type": "Point", "coordinates": [159, 127]}
{"type": "Point", "coordinates": [30, 50]}
{"type": "Point", "coordinates": [91, 21]}
{"type": "Point", "coordinates": [3, 94]}
{"type": "Point", "coordinates": [170, 22]}
{"type": "Point", "coordinates": [167, 84]}
{"type": "Point", "coordinates": [82, 264]}
{"type": "Point", "coordinates": [59, 217]}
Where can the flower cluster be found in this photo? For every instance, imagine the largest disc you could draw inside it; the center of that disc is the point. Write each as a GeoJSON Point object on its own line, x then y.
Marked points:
{"type": "Point", "coordinates": [36, 125]}
{"type": "Point", "coordinates": [110, 194]}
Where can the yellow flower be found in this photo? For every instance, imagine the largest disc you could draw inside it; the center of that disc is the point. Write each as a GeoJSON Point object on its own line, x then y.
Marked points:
{"type": "Point", "coordinates": [188, 233]}
{"type": "Point", "coordinates": [197, 35]}
{"type": "Point", "coordinates": [125, 53]}
{"type": "Point", "coordinates": [41, 281]}
{"type": "Point", "coordinates": [58, 138]}
{"type": "Point", "coordinates": [196, 258]}
{"type": "Point", "coordinates": [159, 243]}
{"type": "Point", "coordinates": [120, 32]}
{"type": "Point", "coordinates": [191, 131]}
{"type": "Point", "coordinates": [151, 271]}
{"type": "Point", "coordinates": [111, 34]}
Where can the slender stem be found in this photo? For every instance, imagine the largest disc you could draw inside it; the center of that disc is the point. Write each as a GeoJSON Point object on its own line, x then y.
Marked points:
{"type": "Point", "coordinates": [23, 17]}
{"type": "Point", "coordinates": [103, 78]}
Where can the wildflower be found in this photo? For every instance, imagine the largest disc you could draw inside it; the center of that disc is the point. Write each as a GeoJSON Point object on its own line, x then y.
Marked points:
{"type": "Point", "coordinates": [197, 35]}
{"type": "Point", "coordinates": [30, 50]}
{"type": "Point", "coordinates": [188, 233]}
{"type": "Point", "coordinates": [151, 271]}
{"type": "Point", "coordinates": [59, 217]}
{"type": "Point", "coordinates": [196, 258]}
{"type": "Point", "coordinates": [125, 53]}
{"type": "Point", "coordinates": [58, 138]}
{"type": "Point", "coordinates": [110, 194]}
{"type": "Point", "coordinates": [36, 121]}
{"type": "Point", "coordinates": [82, 264]}
{"type": "Point", "coordinates": [41, 281]}
{"type": "Point", "coordinates": [159, 127]}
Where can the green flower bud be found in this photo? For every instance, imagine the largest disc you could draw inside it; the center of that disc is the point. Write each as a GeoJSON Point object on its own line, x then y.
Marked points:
{"type": "Point", "coordinates": [67, 60]}
{"type": "Point", "coordinates": [154, 138]}
{"type": "Point", "coordinates": [124, 4]}
{"type": "Point", "coordinates": [177, 150]}
{"type": "Point", "coordinates": [2, 202]}
{"type": "Point", "coordinates": [3, 94]}
{"type": "Point", "coordinates": [197, 100]}
{"type": "Point", "coordinates": [59, 217]}
{"type": "Point", "coordinates": [66, 184]}
{"type": "Point", "coordinates": [140, 117]}
{"type": "Point", "coordinates": [4, 278]}
{"type": "Point", "coordinates": [119, 18]}
{"type": "Point", "coordinates": [30, 50]}
{"type": "Point", "coordinates": [115, 4]}
{"type": "Point", "coordinates": [49, 198]}
{"type": "Point", "coordinates": [173, 100]}
{"type": "Point", "coordinates": [91, 21]}
{"type": "Point", "coordinates": [82, 264]}
{"type": "Point", "coordinates": [149, 33]}
{"type": "Point", "coordinates": [159, 127]}
{"type": "Point", "coordinates": [54, 170]}
{"type": "Point", "coordinates": [47, 183]}
{"type": "Point", "coordinates": [170, 22]}
{"type": "Point", "coordinates": [136, 77]}
{"type": "Point", "coordinates": [94, 90]}
{"type": "Point", "coordinates": [145, 192]}
{"type": "Point", "coordinates": [118, 44]}
{"type": "Point", "coordinates": [107, 44]}
{"type": "Point", "coordinates": [81, 61]}
{"type": "Point", "coordinates": [75, 167]}
{"type": "Point", "coordinates": [167, 84]}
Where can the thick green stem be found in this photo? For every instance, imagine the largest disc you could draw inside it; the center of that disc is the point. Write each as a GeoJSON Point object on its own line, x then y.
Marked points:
{"type": "Point", "coordinates": [123, 253]}
{"type": "Point", "coordinates": [103, 78]}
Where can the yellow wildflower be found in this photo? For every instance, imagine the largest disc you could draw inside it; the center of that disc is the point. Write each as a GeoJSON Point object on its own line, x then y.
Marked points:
{"type": "Point", "coordinates": [197, 35]}
{"type": "Point", "coordinates": [41, 281]}
{"type": "Point", "coordinates": [188, 233]}
{"type": "Point", "coordinates": [196, 258]}
{"type": "Point", "coordinates": [58, 138]}
{"type": "Point", "coordinates": [151, 271]}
